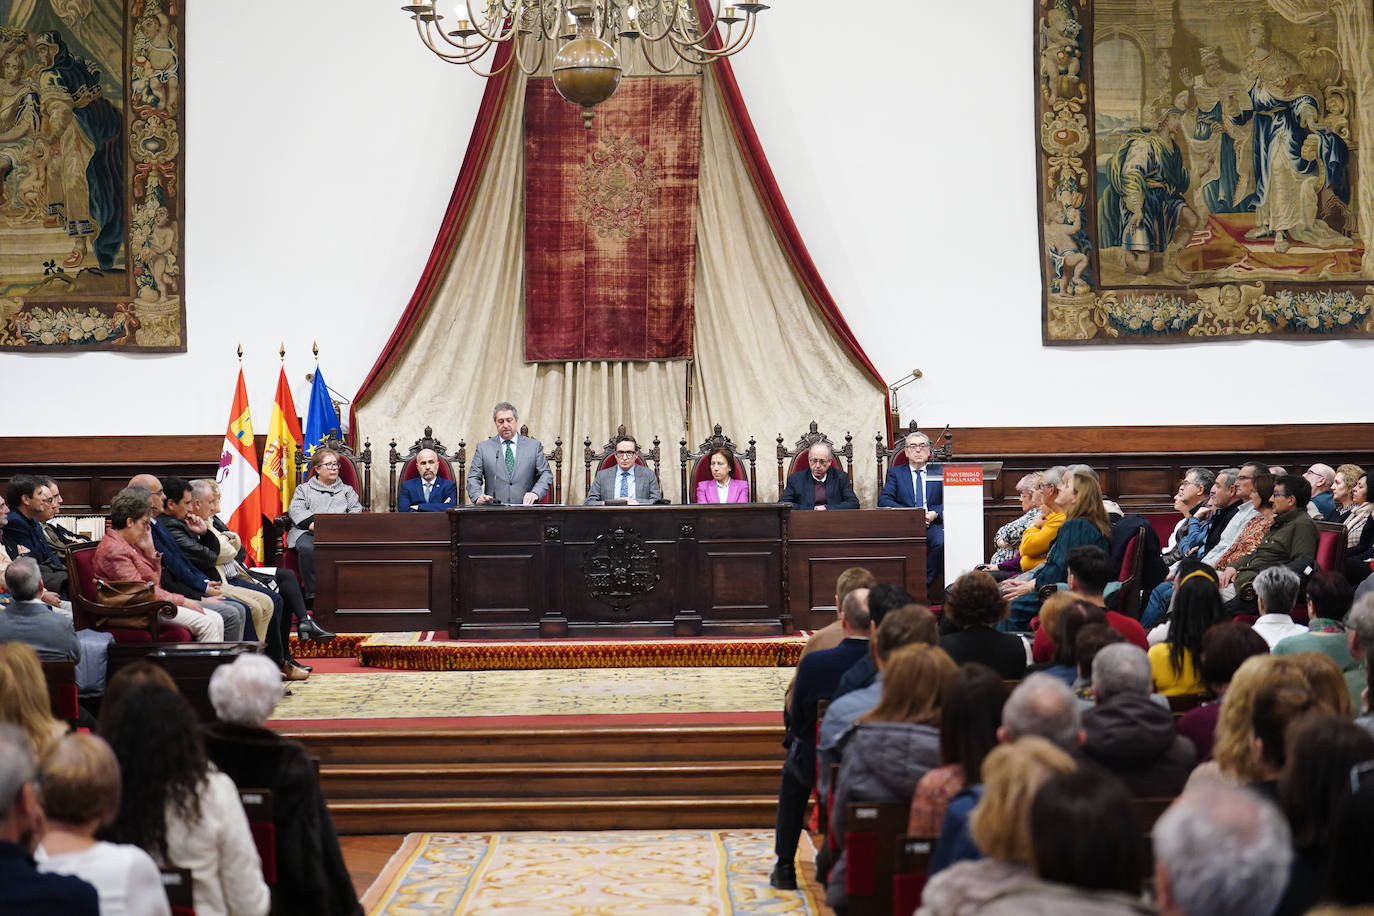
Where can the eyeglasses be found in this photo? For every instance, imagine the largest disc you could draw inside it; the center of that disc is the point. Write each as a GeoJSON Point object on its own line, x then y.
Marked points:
{"type": "Point", "coordinates": [620, 451]}
{"type": "Point", "coordinates": [329, 464]}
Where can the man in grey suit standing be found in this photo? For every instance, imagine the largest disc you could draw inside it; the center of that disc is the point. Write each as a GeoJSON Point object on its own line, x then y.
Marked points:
{"type": "Point", "coordinates": [508, 468]}
{"type": "Point", "coordinates": [628, 481]}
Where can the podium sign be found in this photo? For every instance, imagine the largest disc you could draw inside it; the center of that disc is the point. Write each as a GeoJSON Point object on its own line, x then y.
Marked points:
{"type": "Point", "coordinates": [963, 518]}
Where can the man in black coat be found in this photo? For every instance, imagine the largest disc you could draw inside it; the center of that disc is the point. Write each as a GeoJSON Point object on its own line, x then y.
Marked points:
{"type": "Point", "coordinates": [822, 485]}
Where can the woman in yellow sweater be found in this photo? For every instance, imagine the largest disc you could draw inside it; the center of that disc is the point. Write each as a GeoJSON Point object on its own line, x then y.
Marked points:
{"type": "Point", "coordinates": [1196, 606]}
{"type": "Point", "coordinates": [1036, 539]}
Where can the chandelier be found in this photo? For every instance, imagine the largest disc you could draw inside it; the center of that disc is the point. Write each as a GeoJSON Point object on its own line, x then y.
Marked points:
{"type": "Point", "coordinates": [588, 34]}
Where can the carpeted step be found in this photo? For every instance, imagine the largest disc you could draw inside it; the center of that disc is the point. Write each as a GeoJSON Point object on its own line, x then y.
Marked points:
{"type": "Point", "coordinates": [549, 780]}
{"type": "Point", "coordinates": [545, 814]}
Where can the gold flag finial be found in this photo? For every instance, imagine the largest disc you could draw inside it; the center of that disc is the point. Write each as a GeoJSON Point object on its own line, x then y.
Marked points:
{"type": "Point", "coordinates": [240, 352]}
{"type": "Point", "coordinates": [315, 348]}
{"type": "Point", "coordinates": [282, 351]}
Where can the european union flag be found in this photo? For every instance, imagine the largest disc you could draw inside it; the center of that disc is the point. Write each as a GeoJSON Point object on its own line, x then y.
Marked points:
{"type": "Point", "coordinates": [321, 418]}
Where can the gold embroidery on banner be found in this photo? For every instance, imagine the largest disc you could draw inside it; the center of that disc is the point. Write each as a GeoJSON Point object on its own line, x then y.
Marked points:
{"type": "Point", "coordinates": [617, 185]}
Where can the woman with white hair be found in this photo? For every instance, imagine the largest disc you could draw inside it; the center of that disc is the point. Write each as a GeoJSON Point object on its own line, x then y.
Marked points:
{"type": "Point", "coordinates": [311, 875]}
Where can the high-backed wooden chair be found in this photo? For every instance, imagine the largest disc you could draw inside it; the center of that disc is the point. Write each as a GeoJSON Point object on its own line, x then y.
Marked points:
{"type": "Point", "coordinates": [941, 450]}
{"type": "Point", "coordinates": [355, 469]}
{"type": "Point", "coordinates": [794, 460]}
{"type": "Point", "coordinates": [700, 468]}
{"type": "Point", "coordinates": [177, 884]}
{"type": "Point", "coordinates": [89, 613]}
{"type": "Point", "coordinates": [257, 805]}
{"type": "Point", "coordinates": [1130, 598]}
{"type": "Point", "coordinates": [605, 457]}
{"type": "Point", "coordinates": [409, 470]}
{"type": "Point", "coordinates": [872, 830]}
{"type": "Point", "coordinates": [61, 680]}
{"type": "Point", "coordinates": [553, 494]}
{"type": "Point", "coordinates": [912, 870]}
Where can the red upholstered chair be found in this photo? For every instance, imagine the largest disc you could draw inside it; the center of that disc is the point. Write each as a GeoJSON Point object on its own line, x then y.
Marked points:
{"type": "Point", "coordinates": [61, 679]}
{"type": "Point", "coordinates": [257, 805]}
{"type": "Point", "coordinates": [794, 460]}
{"type": "Point", "coordinates": [871, 845]}
{"type": "Point", "coordinates": [1163, 523]}
{"type": "Point", "coordinates": [605, 458]}
{"type": "Point", "coordinates": [87, 611]}
{"type": "Point", "coordinates": [700, 467]}
{"type": "Point", "coordinates": [553, 494]}
{"type": "Point", "coordinates": [913, 868]}
{"type": "Point", "coordinates": [941, 450]}
{"type": "Point", "coordinates": [1130, 597]}
{"type": "Point", "coordinates": [178, 884]}
{"type": "Point", "coordinates": [1330, 546]}
{"type": "Point", "coordinates": [409, 470]}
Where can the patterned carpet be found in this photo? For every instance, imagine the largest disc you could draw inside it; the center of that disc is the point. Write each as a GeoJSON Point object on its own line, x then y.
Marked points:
{"type": "Point", "coordinates": [551, 692]}
{"type": "Point", "coordinates": [663, 873]}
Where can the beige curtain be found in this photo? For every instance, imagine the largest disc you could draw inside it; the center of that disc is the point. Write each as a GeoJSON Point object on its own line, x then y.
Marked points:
{"type": "Point", "coordinates": [766, 363]}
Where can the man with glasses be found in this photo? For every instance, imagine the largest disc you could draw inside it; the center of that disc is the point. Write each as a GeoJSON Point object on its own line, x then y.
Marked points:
{"type": "Point", "coordinates": [29, 501]}
{"type": "Point", "coordinates": [628, 481]}
{"type": "Point", "coordinates": [916, 486]}
{"type": "Point", "coordinates": [1188, 534]}
{"type": "Point", "coordinates": [429, 492]}
{"type": "Point", "coordinates": [22, 824]}
{"type": "Point", "coordinates": [1293, 536]}
{"type": "Point", "coordinates": [59, 538]}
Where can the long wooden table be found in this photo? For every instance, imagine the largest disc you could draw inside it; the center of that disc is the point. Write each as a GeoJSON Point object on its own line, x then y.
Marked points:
{"type": "Point", "coordinates": [551, 571]}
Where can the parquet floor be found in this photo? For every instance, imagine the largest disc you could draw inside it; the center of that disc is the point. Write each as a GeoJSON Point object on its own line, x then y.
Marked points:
{"type": "Point", "coordinates": [366, 856]}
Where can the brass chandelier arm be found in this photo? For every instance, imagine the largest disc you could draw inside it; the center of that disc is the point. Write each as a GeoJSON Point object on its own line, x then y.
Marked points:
{"type": "Point", "coordinates": [726, 50]}
{"type": "Point", "coordinates": [462, 54]}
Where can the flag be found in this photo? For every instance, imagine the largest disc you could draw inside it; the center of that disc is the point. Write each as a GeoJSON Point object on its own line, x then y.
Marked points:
{"type": "Point", "coordinates": [279, 469]}
{"type": "Point", "coordinates": [321, 418]}
{"type": "Point", "coordinates": [239, 502]}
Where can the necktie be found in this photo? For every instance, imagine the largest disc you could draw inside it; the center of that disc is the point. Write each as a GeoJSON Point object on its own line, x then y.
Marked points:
{"type": "Point", "coordinates": [921, 489]}
{"type": "Point", "coordinates": [427, 488]}
{"type": "Point", "coordinates": [510, 458]}
{"type": "Point", "coordinates": [624, 484]}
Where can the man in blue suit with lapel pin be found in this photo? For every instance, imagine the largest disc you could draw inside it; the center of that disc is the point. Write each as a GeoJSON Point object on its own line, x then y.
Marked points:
{"type": "Point", "coordinates": [917, 486]}
{"type": "Point", "coordinates": [429, 492]}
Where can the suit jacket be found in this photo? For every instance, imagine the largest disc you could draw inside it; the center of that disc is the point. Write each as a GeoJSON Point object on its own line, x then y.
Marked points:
{"type": "Point", "coordinates": [900, 493]}
{"type": "Point", "coordinates": [817, 676]}
{"type": "Point", "coordinates": [202, 550]}
{"type": "Point", "coordinates": [442, 495]}
{"type": "Point", "coordinates": [801, 490]}
{"type": "Point", "coordinates": [23, 532]}
{"type": "Point", "coordinates": [178, 575]}
{"type": "Point", "coordinates": [738, 493]}
{"type": "Point", "coordinates": [487, 474]}
{"type": "Point", "coordinates": [605, 483]}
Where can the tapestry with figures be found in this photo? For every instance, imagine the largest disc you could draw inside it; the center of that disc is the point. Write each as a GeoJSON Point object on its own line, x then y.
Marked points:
{"type": "Point", "coordinates": [1201, 169]}
{"type": "Point", "coordinates": [91, 183]}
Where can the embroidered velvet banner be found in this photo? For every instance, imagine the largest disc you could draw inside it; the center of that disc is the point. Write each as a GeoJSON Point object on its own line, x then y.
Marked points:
{"type": "Point", "coordinates": [611, 222]}
{"type": "Point", "coordinates": [1203, 169]}
{"type": "Point", "coordinates": [91, 183]}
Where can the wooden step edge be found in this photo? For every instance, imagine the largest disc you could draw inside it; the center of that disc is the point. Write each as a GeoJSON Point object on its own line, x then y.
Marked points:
{"type": "Point", "coordinates": [383, 805]}
{"type": "Point", "coordinates": [501, 768]}
{"type": "Point", "coordinates": [534, 732]}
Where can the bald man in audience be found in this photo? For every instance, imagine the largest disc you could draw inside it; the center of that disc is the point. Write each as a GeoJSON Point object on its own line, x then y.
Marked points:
{"type": "Point", "coordinates": [829, 636]}
{"type": "Point", "coordinates": [1321, 478]}
{"type": "Point", "coordinates": [429, 492]}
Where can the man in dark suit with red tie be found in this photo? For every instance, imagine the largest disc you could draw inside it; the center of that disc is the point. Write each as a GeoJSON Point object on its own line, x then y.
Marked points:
{"type": "Point", "coordinates": [917, 486]}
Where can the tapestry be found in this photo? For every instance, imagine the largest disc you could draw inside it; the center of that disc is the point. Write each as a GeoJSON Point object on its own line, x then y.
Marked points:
{"type": "Point", "coordinates": [611, 222]}
{"type": "Point", "coordinates": [91, 205]}
{"type": "Point", "coordinates": [1201, 169]}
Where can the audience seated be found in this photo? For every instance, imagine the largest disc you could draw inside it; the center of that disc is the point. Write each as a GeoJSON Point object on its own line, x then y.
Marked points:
{"type": "Point", "coordinates": [817, 676]}
{"type": "Point", "coordinates": [1039, 534]}
{"type": "Point", "coordinates": [1276, 591]}
{"type": "Point", "coordinates": [1089, 571]}
{"type": "Point", "coordinates": [1008, 538]}
{"type": "Point", "coordinates": [134, 674]}
{"type": "Point", "coordinates": [179, 809]}
{"type": "Point", "coordinates": [1129, 734]}
{"type": "Point", "coordinates": [1092, 639]}
{"type": "Point", "coordinates": [1190, 532]}
{"type": "Point", "coordinates": [1040, 705]}
{"type": "Point", "coordinates": [23, 533]}
{"type": "Point", "coordinates": [1225, 647]}
{"type": "Point", "coordinates": [973, 607]}
{"type": "Point", "coordinates": [1329, 597]}
{"type": "Point", "coordinates": [1322, 753]}
{"type": "Point", "coordinates": [881, 599]}
{"type": "Point", "coordinates": [969, 720]}
{"type": "Point", "coordinates": [891, 747]}
{"type": "Point", "coordinates": [829, 636]}
{"type": "Point", "coordinates": [1343, 492]}
{"type": "Point", "coordinates": [28, 620]}
{"type": "Point", "coordinates": [1073, 618]}
{"type": "Point", "coordinates": [1076, 872]}
{"type": "Point", "coordinates": [1320, 479]}
{"type": "Point", "coordinates": [1326, 682]}
{"type": "Point", "coordinates": [1220, 852]}
{"type": "Point", "coordinates": [26, 891]}
{"type": "Point", "coordinates": [901, 627]}
{"type": "Point", "coordinates": [1360, 554]}
{"type": "Point", "coordinates": [126, 554]}
{"type": "Point", "coordinates": [1086, 523]}
{"type": "Point", "coordinates": [312, 879]}
{"type": "Point", "coordinates": [80, 797]}
{"type": "Point", "coordinates": [1235, 756]}
{"type": "Point", "coordinates": [1196, 608]}
{"type": "Point", "coordinates": [24, 700]}
{"type": "Point", "coordinates": [1277, 706]}
{"type": "Point", "coordinates": [59, 538]}
{"type": "Point", "coordinates": [322, 494]}
{"type": "Point", "coordinates": [1000, 826]}
{"type": "Point", "coordinates": [1291, 537]}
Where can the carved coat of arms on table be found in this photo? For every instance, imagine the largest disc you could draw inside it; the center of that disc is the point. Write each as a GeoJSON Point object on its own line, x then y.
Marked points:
{"type": "Point", "coordinates": [620, 568]}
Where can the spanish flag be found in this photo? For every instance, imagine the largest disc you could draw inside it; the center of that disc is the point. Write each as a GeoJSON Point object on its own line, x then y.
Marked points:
{"type": "Point", "coordinates": [239, 503]}
{"type": "Point", "coordinates": [279, 469]}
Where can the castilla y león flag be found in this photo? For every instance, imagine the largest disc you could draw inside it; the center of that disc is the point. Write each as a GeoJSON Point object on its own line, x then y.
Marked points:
{"type": "Point", "coordinates": [239, 505]}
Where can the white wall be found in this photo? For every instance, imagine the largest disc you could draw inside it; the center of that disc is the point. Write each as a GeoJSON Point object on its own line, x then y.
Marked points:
{"type": "Point", "coordinates": [321, 150]}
